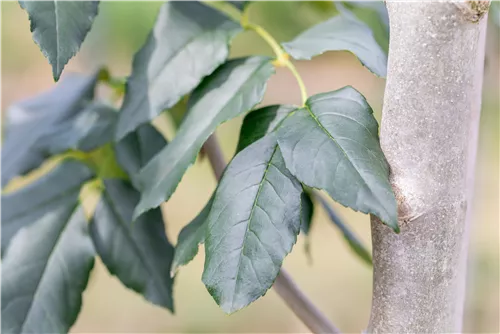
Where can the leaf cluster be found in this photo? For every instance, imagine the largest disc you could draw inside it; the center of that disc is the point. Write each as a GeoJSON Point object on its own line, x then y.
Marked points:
{"type": "Point", "coordinates": [265, 196]}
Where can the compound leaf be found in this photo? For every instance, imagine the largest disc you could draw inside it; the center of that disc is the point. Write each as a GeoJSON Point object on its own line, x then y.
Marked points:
{"type": "Point", "coordinates": [234, 88]}
{"type": "Point", "coordinates": [332, 144]}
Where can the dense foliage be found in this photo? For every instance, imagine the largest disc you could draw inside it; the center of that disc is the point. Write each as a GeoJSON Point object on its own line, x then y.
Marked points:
{"type": "Point", "coordinates": [265, 196]}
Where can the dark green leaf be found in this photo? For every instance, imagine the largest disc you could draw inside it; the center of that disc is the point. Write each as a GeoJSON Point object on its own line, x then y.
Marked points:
{"type": "Point", "coordinates": [190, 237]}
{"type": "Point", "coordinates": [45, 272]}
{"type": "Point", "coordinates": [135, 150]}
{"type": "Point", "coordinates": [306, 213]}
{"type": "Point", "coordinates": [234, 88]}
{"type": "Point", "coordinates": [353, 241]}
{"type": "Point", "coordinates": [90, 129]}
{"type": "Point", "coordinates": [59, 187]}
{"type": "Point", "coordinates": [340, 33]}
{"type": "Point", "coordinates": [59, 28]}
{"type": "Point", "coordinates": [332, 144]}
{"type": "Point", "coordinates": [260, 122]}
{"type": "Point", "coordinates": [252, 226]}
{"type": "Point", "coordinates": [189, 41]}
{"type": "Point", "coordinates": [30, 120]}
{"type": "Point", "coordinates": [138, 253]}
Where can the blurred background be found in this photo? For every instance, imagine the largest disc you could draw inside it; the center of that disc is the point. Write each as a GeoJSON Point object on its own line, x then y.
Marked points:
{"type": "Point", "coordinates": [336, 280]}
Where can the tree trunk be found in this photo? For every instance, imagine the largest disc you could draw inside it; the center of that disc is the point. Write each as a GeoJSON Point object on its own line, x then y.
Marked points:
{"type": "Point", "coordinates": [429, 136]}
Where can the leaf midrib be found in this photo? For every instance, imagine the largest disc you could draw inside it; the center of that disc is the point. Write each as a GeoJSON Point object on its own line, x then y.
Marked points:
{"type": "Point", "coordinates": [56, 17]}
{"type": "Point", "coordinates": [54, 247]}
{"type": "Point", "coordinates": [43, 203]}
{"type": "Point", "coordinates": [127, 233]}
{"type": "Point", "coordinates": [167, 171]}
{"type": "Point", "coordinates": [254, 205]}
{"type": "Point", "coordinates": [316, 120]}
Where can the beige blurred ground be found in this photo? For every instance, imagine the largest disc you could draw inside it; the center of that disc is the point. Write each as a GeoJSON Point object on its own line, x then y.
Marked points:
{"type": "Point", "coordinates": [338, 282]}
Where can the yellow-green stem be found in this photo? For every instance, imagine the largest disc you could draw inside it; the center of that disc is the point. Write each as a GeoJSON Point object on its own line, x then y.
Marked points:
{"type": "Point", "coordinates": [282, 58]}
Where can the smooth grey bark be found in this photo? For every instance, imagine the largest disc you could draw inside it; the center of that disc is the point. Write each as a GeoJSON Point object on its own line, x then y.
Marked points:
{"type": "Point", "coordinates": [429, 135]}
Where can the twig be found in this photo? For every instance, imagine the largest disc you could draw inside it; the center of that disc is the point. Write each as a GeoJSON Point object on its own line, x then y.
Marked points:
{"type": "Point", "coordinates": [286, 288]}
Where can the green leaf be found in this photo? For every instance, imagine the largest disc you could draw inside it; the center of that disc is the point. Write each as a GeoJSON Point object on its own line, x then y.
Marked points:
{"type": "Point", "coordinates": [252, 226]}
{"type": "Point", "coordinates": [40, 116]}
{"type": "Point", "coordinates": [260, 122]}
{"type": "Point", "coordinates": [59, 187]}
{"type": "Point", "coordinates": [189, 41]}
{"type": "Point", "coordinates": [233, 89]}
{"type": "Point", "coordinates": [332, 144]}
{"type": "Point", "coordinates": [190, 237]}
{"type": "Point", "coordinates": [306, 213]}
{"type": "Point", "coordinates": [138, 253]}
{"type": "Point", "coordinates": [340, 33]}
{"type": "Point", "coordinates": [353, 241]}
{"type": "Point", "coordinates": [45, 272]}
{"type": "Point", "coordinates": [59, 28]}
{"type": "Point", "coordinates": [135, 150]}
{"type": "Point", "coordinates": [91, 128]}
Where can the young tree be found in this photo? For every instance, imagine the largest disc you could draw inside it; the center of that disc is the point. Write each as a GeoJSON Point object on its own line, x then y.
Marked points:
{"type": "Point", "coordinates": [416, 183]}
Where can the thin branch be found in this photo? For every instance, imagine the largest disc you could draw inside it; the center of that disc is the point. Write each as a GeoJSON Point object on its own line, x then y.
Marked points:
{"type": "Point", "coordinates": [284, 285]}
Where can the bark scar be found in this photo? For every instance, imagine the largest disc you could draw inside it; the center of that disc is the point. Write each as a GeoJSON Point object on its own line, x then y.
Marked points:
{"type": "Point", "coordinates": [473, 11]}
